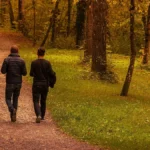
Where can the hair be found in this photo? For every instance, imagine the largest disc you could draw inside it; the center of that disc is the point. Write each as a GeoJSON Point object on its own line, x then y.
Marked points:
{"type": "Point", "coordinates": [41, 51]}
{"type": "Point", "coordinates": [14, 49]}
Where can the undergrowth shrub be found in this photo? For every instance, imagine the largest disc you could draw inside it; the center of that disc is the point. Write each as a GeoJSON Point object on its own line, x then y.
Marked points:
{"type": "Point", "coordinates": [65, 42]}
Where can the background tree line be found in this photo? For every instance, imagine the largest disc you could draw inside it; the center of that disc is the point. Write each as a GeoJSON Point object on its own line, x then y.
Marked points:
{"type": "Point", "coordinates": [98, 27]}
{"type": "Point", "coordinates": [70, 20]}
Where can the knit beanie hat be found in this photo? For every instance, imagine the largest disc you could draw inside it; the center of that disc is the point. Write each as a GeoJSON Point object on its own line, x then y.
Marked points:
{"type": "Point", "coordinates": [14, 49]}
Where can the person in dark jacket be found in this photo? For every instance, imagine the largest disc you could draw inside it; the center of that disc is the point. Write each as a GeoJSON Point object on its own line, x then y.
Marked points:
{"type": "Point", "coordinates": [14, 67]}
{"type": "Point", "coordinates": [40, 70]}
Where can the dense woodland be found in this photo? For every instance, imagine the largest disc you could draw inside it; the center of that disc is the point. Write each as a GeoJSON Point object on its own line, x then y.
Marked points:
{"type": "Point", "coordinates": [98, 27]}
{"type": "Point", "coordinates": [99, 50]}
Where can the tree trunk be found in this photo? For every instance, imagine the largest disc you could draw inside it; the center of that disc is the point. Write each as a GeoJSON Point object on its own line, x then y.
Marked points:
{"type": "Point", "coordinates": [127, 82]}
{"type": "Point", "coordinates": [70, 2]}
{"type": "Point", "coordinates": [53, 37]}
{"type": "Point", "coordinates": [20, 15]}
{"type": "Point", "coordinates": [80, 21]}
{"type": "Point", "coordinates": [34, 22]}
{"type": "Point", "coordinates": [20, 9]}
{"type": "Point", "coordinates": [52, 18]}
{"type": "Point", "coordinates": [146, 23]}
{"type": "Point", "coordinates": [11, 14]}
{"type": "Point", "coordinates": [89, 25]}
{"type": "Point", "coordinates": [2, 12]}
{"type": "Point", "coordinates": [99, 62]}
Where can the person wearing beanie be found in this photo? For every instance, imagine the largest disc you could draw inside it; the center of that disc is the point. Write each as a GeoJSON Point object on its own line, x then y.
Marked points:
{"type": "Point", "coordinates": [41, 70]}
{"type": "Point", "coordinates": [14, 67]}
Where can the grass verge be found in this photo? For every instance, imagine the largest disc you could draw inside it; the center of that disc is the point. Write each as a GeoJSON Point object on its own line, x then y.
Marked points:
{"type": "Point", "coordinates": [92, 110]}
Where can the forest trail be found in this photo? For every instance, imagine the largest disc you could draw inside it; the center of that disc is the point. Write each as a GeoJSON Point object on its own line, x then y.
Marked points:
{"type": "Point", "coordinates": [25, 134]}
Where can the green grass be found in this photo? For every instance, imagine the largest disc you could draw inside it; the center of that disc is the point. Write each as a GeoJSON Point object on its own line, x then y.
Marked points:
{"type": "Point", "coordinates": [92, 110]}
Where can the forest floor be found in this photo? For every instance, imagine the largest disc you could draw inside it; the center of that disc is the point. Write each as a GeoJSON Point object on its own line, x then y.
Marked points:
{"type": "Point", "coordinates": [25, 134]}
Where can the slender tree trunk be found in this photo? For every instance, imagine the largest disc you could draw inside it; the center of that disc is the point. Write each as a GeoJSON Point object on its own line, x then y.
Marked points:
{"type": "Point", "coordinates": [53, 37]}
{"type": "Point", "coordinates": [89, 29]}
{"type": "Point", "coordinates": [99, 61]}
{"type": "Point", "coordinates": [146, 23]}
{"type": "Point", "coordinates": [11, 14]}
{"type": "Point", "coordinates": [127, 82]}
{"type": "Point", "coordinates": [20, 9]}
{"type": "Point", "coordinates": [34, 22]}
{"type": "Point", "coordinates": [47, 32]}
{"type": "Point", "coordinates": [80, 21]}
{"type": "Point", "coordinates": [20, 15]}
{"type": "Point", "coordinates": [70, 2]}
{"type": "Point", "coordinates": [2, 12]}
{"type": "Point", "coordinates": [51, 22]}
{"type": "Point", "coordinates": [148, 26]}
{"type": "Point", "coordinates": [53, 32]}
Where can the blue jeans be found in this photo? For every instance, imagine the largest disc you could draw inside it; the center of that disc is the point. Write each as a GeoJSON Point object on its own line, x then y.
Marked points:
{"type": "Point", "coordinates": [12, 93]}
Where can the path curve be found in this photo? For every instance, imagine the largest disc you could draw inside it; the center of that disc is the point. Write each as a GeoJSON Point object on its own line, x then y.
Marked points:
{"type": "Point", "coordinates": [25, 134]}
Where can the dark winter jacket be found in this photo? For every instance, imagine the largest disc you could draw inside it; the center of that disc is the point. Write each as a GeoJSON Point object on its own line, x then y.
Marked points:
{"type": "Point", "coordinates": [14, 67]}
{"type": "Point", "coordinates": [41, 69]}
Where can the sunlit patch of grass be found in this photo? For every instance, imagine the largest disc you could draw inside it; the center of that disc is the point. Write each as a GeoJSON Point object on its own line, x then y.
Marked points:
{"type": "Point", "coordinates": [119, 62]}
{"type": "Point", "coordinates": [64, 59]}
{"type": "Point", "coordinates": [62, 56]}
{"type": "Point", "coordinates": [93, 110]}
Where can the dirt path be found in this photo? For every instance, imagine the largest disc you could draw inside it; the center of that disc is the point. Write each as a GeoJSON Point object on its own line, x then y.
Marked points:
{"type": "Point", "coordinates": [25, 134]}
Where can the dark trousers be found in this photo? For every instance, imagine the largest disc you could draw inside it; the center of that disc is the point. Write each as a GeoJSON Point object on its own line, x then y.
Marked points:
{"type": "Point", "coordinates": [39, 93]}
{"type": "Point", "coordinates": [12, 93]}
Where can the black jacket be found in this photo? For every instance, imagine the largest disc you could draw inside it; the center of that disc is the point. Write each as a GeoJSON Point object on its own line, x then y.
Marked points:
{"type": "Point", "coordinates": [41, 69]}
{"type": "Point", "coordinates": [14, 67]}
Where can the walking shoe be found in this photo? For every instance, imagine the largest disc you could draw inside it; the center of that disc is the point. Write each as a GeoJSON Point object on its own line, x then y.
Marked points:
{"type": "Point", "coordinates": [38, 119]}
{"type": "Point", "coordinates": [42, 118]}
{"type": "Point", "coordinates": [13, 116]}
